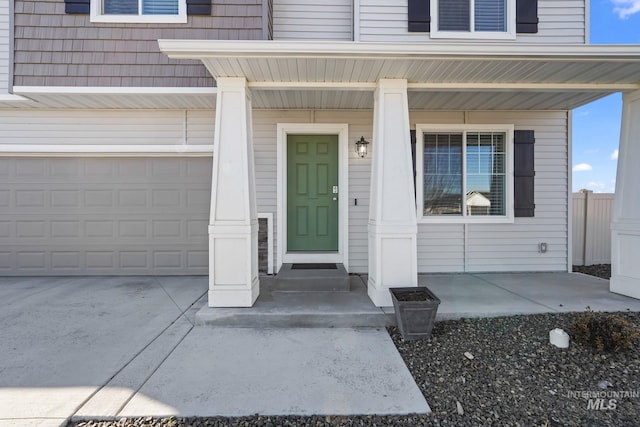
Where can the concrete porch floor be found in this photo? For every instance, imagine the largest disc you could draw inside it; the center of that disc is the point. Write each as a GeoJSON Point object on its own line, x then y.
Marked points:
{"type": "Point", "coordinates": [462, 295]}
{"type": "Point", "coordinates": [109, 347]}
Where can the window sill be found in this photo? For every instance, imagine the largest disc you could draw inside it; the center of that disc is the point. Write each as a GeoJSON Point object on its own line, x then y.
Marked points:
{"type": "Point", "coordinates": [465, 220]}
{"type": "Point", "coordinates": [478, 35]}
{"type": "Point", "coordinates": [141, 19]}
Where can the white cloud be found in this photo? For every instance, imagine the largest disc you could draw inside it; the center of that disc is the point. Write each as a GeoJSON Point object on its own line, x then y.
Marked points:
{"type": "Point", "coordinates": [582, 167]}
{"type": "Point", "coordinates": [601, 187]}
{"type": "Point", "coordinates": [626, 8]}
{"type": "Point", "coordinates": [614, 155]}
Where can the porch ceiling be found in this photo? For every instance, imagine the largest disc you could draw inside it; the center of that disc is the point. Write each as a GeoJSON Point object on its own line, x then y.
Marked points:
{"type": "Point", "coordinates": [440, 76]}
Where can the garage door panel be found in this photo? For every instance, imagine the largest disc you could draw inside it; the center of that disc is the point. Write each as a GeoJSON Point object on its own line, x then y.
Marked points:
{"type": "Point", "coordinates": [144, 216]}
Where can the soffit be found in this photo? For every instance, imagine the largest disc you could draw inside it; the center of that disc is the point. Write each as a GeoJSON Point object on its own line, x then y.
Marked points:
{"type": "Point", "coordinates": [443, 76]}
{"type": "Point", "coordinates": [112, 98]}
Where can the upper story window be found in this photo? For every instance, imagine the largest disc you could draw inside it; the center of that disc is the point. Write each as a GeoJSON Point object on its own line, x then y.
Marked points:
{"type": "Point", "coordinates": [486, 19]}
{"type": "Point", "coordinates": [161, 11]}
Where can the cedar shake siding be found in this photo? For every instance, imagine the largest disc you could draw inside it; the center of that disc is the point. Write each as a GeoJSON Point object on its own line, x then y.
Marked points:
{"type": "Point", "coordinates": [57, 49]}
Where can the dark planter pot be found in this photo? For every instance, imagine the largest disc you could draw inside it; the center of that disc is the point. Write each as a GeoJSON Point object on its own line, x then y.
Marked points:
{"type": "Point", "coordinates": [416, 309]}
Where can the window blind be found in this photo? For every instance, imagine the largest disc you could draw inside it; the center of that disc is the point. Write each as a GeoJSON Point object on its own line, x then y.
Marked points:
{"type": "Point", "coordinates": [490, 15]}
{"type": "Point", "coordinates": [159, 7]}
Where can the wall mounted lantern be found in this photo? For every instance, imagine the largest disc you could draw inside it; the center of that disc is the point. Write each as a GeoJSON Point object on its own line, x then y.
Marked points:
{"type": "Point", "coordinates": [361, 147]}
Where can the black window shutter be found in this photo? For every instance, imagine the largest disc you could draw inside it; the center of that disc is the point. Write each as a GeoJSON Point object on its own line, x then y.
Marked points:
{"type": "Point", "coordinates": [413, 157]}
{"type": "Point", "coordinates": [419, 16]}
{"type": "Point", "coordinates": [77, 7]}
{"type": "Point", "coordinates": [524, 173]}
{"type": "Point", "coordinates": [527, 16]}
{"type": "Point", "coordinates": [199, 7]}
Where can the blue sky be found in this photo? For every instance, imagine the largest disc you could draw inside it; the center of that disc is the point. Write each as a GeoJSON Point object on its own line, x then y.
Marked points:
{"type": "Point", "coordinates": [596, 126]}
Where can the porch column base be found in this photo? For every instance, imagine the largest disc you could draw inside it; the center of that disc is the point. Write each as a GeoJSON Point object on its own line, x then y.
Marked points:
{"type": "Point", "coordinates": [392, 263]}
{"type": "Point", "coordinates": [233, 266]}
{"type": "Point", "coordinates": [232, 296]}
{"type": "Point", "coordinates": [625, 270]}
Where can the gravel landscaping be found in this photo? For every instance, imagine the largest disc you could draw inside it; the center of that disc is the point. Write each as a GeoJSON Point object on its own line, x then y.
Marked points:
{"type": "Point", "coordinates": [491, 371]}
{"type": "Point", "coordinates": [602, 271]}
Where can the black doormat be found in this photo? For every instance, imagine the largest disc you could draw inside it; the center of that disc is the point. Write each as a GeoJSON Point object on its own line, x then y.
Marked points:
{"type": "Point", "coordinates": [314, 267]}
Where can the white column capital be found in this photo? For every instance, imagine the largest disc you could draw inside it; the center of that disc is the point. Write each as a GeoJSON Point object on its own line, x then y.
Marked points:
{"type": "Point", "coordinates": [392, 84]}
{"type": "Point", "coordinates": [231, 82]}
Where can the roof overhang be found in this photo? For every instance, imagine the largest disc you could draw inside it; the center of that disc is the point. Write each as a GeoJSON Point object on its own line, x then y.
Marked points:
{"type": "Point", "coordinates": [78, 97]}
{"type": "Point", "coordinates": [452, 76]}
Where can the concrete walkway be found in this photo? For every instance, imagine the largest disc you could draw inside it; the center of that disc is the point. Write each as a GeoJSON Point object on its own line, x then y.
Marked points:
{"type": "Point", "coordinates": [94, 347]}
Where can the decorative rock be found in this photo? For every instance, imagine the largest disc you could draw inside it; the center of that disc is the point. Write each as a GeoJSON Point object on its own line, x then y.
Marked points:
{"type": "Point", "coordinates": [603, 385]}
{"type": "Point", "coordinates": [559, 338]}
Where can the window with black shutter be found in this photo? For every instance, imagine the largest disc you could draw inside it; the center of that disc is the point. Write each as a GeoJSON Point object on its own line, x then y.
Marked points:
{"type": "Point", "coordinates": [139, 10]}
{"type": "Point", "coordinates": [473, 18]}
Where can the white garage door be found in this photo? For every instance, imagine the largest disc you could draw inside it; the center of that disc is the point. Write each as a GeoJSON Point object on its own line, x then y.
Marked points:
{"type": "Point", "coordinates": [104, 216]}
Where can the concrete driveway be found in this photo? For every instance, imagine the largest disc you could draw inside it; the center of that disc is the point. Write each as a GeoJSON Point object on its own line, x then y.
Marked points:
{"type": "Point", "coordinates": [105, 347]}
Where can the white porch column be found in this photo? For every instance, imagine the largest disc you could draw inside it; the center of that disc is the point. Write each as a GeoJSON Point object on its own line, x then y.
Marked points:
{"type": "Point", "coordinates": [233, 229]}
{"type": "Point", "coordinates": [625, 225]}
{"type": "Point", "coordinates": [392, 214]}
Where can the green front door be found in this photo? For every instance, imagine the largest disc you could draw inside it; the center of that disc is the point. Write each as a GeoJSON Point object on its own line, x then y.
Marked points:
{"type": "Point", "coordinates": [312, 193]}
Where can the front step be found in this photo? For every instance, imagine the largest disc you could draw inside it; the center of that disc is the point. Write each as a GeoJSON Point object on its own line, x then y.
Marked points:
{"type": "Point", "coordinates": [312, 278]}
{"type": "Point", "coordinates": [276, 309]}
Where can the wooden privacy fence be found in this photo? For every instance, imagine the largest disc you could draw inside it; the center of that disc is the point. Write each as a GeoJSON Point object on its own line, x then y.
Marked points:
{"type": "Point", "coordinates": [592, 228]}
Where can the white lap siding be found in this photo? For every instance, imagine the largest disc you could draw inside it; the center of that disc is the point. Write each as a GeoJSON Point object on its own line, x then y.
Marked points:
{"type": "Point", "coordinates": [305, 20]}
{"type": "Point", "coordinates": [507, 247]}
{"type": "Point", "coordinates": [444, 247]}
{"type": "Point", "coordinates": [4, 46]}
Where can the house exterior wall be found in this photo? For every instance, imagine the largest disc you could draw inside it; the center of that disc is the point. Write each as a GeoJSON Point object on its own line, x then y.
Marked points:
{"type": "Point", "coordinates": [560, 21]}
{"type": "Point", "coordinates": [57, 49]}
{"type": "Point", "coordinates": [441, 247]}
{"type": "Point", "coordinates": [4, 45]}
{"type": "Point", "coordinates": [445, 247]}
{"type": "Point", "coordinates": [507, 247]}
{"type": "Point", "coordinates": [304, 20]}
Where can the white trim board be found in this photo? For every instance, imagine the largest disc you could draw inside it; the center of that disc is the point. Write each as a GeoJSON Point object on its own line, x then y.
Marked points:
{"type": "Point", "coordinates": [39, 150]}
{"type": "Point", "coordinates": [342, 130]}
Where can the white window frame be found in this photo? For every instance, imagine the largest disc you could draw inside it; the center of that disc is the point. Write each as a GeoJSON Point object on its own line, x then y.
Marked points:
{"type": "Point", "coordinates": [507, 129]}
{"type": "Point", "coordinates": [510, 34]}
{"type": "Point", "coordinates": [98, 16]}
